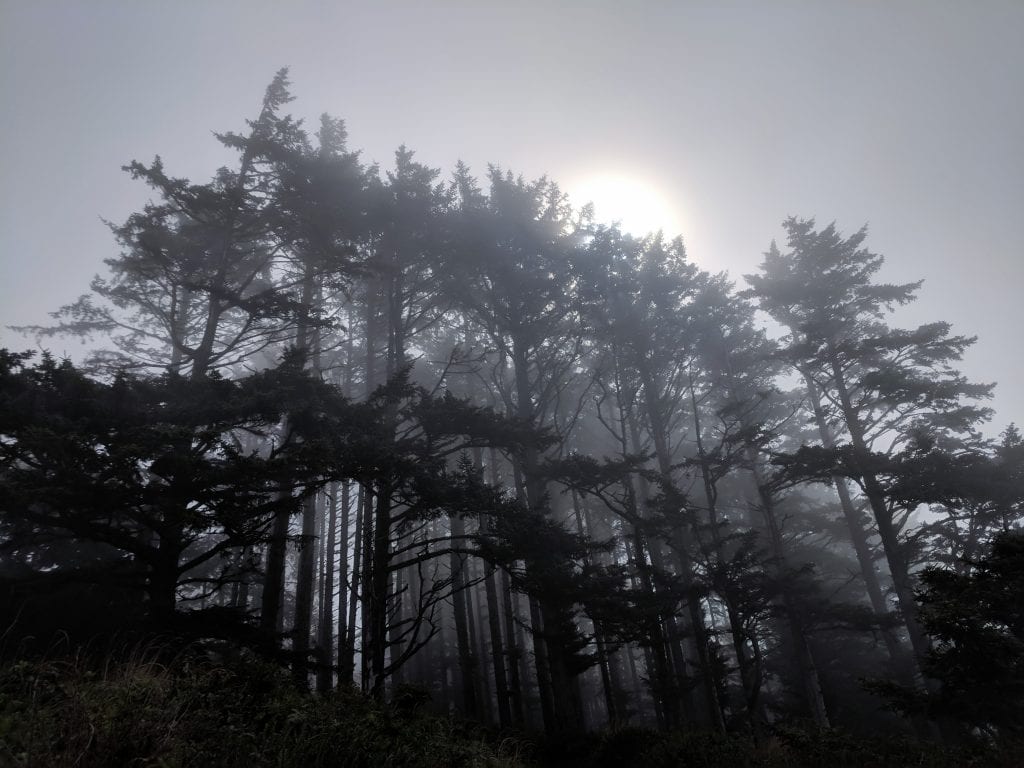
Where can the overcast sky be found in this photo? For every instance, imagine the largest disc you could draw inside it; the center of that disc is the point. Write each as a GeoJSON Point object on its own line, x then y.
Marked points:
{"type": "Point", "coordinates": [725, 117]}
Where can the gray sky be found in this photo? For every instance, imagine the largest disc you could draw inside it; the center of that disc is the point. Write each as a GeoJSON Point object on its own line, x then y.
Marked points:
{"type": "Point", "coordinates": [907, 116]}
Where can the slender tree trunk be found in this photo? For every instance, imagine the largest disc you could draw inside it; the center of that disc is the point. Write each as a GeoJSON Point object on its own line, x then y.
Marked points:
{"type": "Point", "coordinates": [857, 534]}
{"type": "Point", "coordinates": [344, 657]}
{"type": "Point", "coordinates": [304, 589]}
{"type": "Point", "coordinates": [497, 650]}
{"type": "Point", "coordinates": [245, 579]}
{"type": "Point", "coordinates": [162, 584]}
{"type": "Point", "coordinates": [894, 554]}
{"type": "Point", "coordinates": [750, 684]}
{"type": "Point", "coordinates": [494, 625]}
{"type": "Point", "coordinates": [558, 704]}
{"type": "Point", "coordinates": [399, 610]}
{"type": "Point", "coordinates": [477, 642]}
{"type": "Point", "coordinates": [326, 636]}
{"type": "Point", "coordinates": [346, 673]}
{"type": "Point", "coordinates": [367, 588]}
{"type": "Point", "coordinates": [181, 301]}
{"type": "Point", "coordinates": [467, 662]}
{"type": "Point", "coordinates": [366, 506]}
{"type": "Point", "coordinates": [637, 686]}
{"type": "Point", "coordinates": [683, 546]}
{"type": "Point", "coordinates": [380, 579]}
{"type": "Point", "coordinates": [514, 653]}
{"type": "Point", "coordinates": [271, 618]}
{"type": "Point", "coordinates": [806, 666]}
{"type": "Point", "coordinates": [671, 639]}
{"type": "Point", "coordinates": [583, 528]}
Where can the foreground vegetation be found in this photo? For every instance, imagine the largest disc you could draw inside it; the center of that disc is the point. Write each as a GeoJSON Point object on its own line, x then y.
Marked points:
{"type": "Point", "coordinates": [139, 707]}
{"type": "Point", "coordinates": [190, 711]}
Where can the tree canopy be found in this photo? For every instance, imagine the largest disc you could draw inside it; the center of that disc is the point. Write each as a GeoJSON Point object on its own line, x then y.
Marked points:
{"type": "Point", "coordinates": [414, 430]}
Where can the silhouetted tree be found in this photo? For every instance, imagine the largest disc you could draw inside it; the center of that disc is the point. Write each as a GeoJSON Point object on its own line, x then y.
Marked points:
{"type": "Point", "coordinates": [975, 616]}
{"type": "Point", "coordinates": [154, 471]}
{"type": "Point", "coordinates": [881, 384]}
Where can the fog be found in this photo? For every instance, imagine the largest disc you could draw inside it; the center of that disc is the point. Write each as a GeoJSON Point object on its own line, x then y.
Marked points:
{"type": "Point", "coordinates": [904, 117]}
{"type": "Point", "coordinates": [511, 385]}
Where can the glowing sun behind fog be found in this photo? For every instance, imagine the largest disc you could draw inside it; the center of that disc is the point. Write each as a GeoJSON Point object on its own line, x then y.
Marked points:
{"type": "Point", "coordinates": [639, 207]}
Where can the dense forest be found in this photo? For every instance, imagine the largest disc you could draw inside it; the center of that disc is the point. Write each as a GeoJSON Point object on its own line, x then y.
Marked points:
{"type": "Point", "coordinates": [447, 450]}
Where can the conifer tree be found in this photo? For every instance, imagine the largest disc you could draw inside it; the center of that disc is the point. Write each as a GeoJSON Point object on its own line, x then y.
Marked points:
{"type": "Point", "coordinates": [194, 289]}
{"type": "Point", "coordinates": [883, 386]}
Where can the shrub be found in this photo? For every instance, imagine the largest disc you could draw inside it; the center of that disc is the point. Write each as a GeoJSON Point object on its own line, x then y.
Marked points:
{"type": "Point", "coordinates": [194, 712]}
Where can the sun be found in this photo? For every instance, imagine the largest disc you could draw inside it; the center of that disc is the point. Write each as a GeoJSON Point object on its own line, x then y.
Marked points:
{"type": "Point", "coordinates": [638, 206]}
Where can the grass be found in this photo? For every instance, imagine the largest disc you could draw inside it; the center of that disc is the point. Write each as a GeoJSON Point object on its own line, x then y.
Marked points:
{"type": "Point", "coordinates": [190, 711]}
{"type": "Point", "coordinates": [153, 706]}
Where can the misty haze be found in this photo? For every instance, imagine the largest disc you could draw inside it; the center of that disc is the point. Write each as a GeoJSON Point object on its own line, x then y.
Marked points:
{"type": "Point", "coordinates": [535, 384]}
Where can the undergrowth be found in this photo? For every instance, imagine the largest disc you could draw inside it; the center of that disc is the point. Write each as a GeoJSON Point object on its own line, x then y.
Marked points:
{"type": "Point", "coordinates": [190, 711]}
{"type": "Point", "coordinates": [141, 708]}
{"type": "Point", "coordinates": [782, 747]}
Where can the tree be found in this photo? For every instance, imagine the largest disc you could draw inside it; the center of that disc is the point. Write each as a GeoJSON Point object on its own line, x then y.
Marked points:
{"type": "Point", "coordinates": [731, 383]}
{"type": "Point", "coordinates": [306, 327]}
{"type": "Point", "coordinates": [974, 490]}
{"type": "Point", "coordinates": [975, 616]}
{"type": "Point", "coordinates": [882, 385]}
{"type": "Point", "coordinates": [155, 473]}
{"type": "Point", "coordinates": [194, 290]}
{"type": "Point", "coordinates": [319, 204]}
{"type": "Point", "coordinates": [640, 301]}
{"type": "Point", "coordinates": [509, 272]}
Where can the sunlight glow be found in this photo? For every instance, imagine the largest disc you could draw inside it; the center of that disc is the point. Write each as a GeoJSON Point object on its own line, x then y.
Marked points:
{"type": "Point", "coordinates": [639, 207]}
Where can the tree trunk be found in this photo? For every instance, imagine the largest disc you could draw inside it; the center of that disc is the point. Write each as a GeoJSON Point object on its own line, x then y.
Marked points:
{"type": "Point", "coordinates": [558, 705]}
{"type": "Point", "coordinates": [857, 534]}
{"type": "Point", "coordinates": [273, 581]}
{"type": "Point", "coordinates": [304, 592]}
{"type": "Point", "coordinates": [476, 636]}
{"type": "Point", "coordinates": [501, 686]}
{"type": "Point", "coordinates": [325, 640]}
{"type": "Point", "coordinates": [380, 579]}
{"type": "Point", "coordinates": [467, 662]}
{"type": "Point", "coordinates": [162, 584]}
{"type": "Point", "coordinates": [367, 587]}
{"type": "Point", "coordinates": [343, 585]}
{"type": "Point", "coordinates": [806, 666]}
{"type": "Point", "coordinates": [894, 554]}
{"type": "Point", "coordinates": [583, 528]}
{"type": "Point", "coordinates": [750, 684]}
{"type": "Point", "coordinates": [683, 545]}
{"type": "Point", "coordinates": [514, 653]}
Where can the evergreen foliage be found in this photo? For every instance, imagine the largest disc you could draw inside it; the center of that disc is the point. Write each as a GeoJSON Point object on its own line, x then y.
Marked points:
{"type": "Point", "coordinates": [462, 450]}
